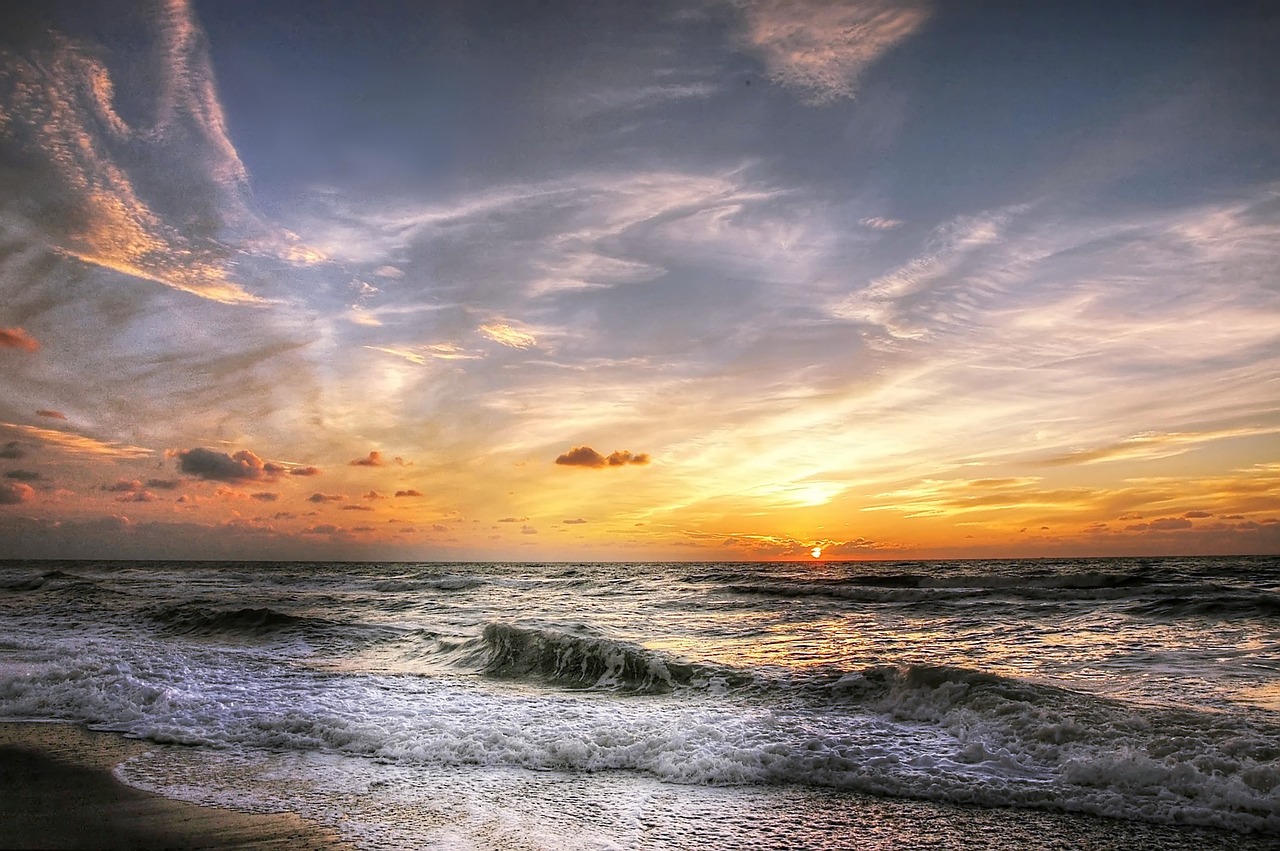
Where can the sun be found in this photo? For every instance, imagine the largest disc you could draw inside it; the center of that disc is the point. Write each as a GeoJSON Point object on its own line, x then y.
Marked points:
{"type": "Point", "coordinates": [816, 552]}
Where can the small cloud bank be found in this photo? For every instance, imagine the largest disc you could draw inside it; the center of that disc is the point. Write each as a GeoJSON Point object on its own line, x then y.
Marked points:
{"type": "Point", "coordinates": [585, 456]}
{"type": "Point", "coordinates": [208, 464]}
{"type": "Point", "coordinates": [373, 459]}
{"type": "Point", "coordinates": [53, 415]}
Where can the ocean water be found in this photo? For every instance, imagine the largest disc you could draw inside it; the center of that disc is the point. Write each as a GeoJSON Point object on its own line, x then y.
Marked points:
{"type": "Point", "coordinates": [978, 704]}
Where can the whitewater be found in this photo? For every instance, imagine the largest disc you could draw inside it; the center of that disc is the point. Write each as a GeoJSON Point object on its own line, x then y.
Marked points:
{"type": "Point", "coordinates": [967, 704]}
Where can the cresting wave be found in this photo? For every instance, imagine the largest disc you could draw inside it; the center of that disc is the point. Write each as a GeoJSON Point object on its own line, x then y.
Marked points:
{"type": "Point", "coordinates": [560, 658]}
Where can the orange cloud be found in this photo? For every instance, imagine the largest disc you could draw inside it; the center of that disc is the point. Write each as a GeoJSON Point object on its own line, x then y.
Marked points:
{"type": "Point", "coordinates": [76, 444]}
{"type": "Point", "coordinates": [585, 456]}
{"type": "Point", "coordinates": [409, 492]}
{"type": "Point", "coordinates": [15, 493]}
{"type": "Point", "coordinates": [53, 415]}
{"type": "Point", "coordinates": [326, 497]}
{"type": "Point", "coordinates": [374, 459]}
{"type": "Point", "coordinates": [17, 338]}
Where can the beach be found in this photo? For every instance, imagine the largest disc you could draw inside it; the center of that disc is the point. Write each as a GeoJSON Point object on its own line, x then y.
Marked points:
{"type": "Point", "coordinates": [57, 791]}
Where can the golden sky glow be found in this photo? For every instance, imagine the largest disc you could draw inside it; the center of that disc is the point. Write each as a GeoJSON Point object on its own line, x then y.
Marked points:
{"type": "Point", "coordinates": [747, 280]}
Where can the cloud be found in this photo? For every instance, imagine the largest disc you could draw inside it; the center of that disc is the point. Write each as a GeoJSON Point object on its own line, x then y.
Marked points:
{"type": "Point", "coordinates": [528, 530]}
{"type": "Point", "coordinates": [164, 484]}
{"type": "Point", "coordinates": [23, 475]}
{"type": "Point", "coordinates": [822, 46]}
{"type": "Point", "coordinates": [409, 492]}
{"type": "Point", "coordinates": [216, 466]}
{"type": "Point", "coordinates": [326, 497]}
{"type": "Point", "coordinates": [512, 519]}
{"type": "Point", "coordinates": [879, 223]}
{"type": "Point", "coordinates": [508, 336]}
{"type": "Point", "coordinates": [118, 187]}
{"type": "Point", "coordinates": [585, 456]}
{"type": "Point", "coordinates": [374, 495]}
{"type": "Point", "coordinates": [357, 508]}
{"type": "Point", "coordinates": [76, 444]}
{"type": "Point", "coordinates": [17, 338]}
{"type": "Point", "coordinates": [374, 459]}
{"type": "Point", "coordinates": [123, 486]}
{"type": "Point", "coordinates": [53, 415]}
{"type": "Point", "coordinates": [15, 493]}
{"type": "Point", "coordinates": [265, 496]}
{"type": "Point", "coordinates": [304, 471]}
{"type": "Point", "coordinates": [140, 496]}
{"type": "Point", "coordinates": [424, 354]}
{"type": "Point", "coordinates": [574, 522]}
{"type": "Point", "coordinates": [12, 450]}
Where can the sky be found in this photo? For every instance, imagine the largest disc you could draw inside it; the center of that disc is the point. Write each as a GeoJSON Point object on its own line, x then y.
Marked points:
{"type": "Point", "coordinates": [701, 280]}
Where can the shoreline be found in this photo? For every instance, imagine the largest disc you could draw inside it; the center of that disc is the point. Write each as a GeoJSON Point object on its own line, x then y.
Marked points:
{"type": "Point", "coordinates": [57, 790]}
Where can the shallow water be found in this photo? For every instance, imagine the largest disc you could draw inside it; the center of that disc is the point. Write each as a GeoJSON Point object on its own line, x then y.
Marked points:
{"type": "Point", "coordinates": [680, 705]}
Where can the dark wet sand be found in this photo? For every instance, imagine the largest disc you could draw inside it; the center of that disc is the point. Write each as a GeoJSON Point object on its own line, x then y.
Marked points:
{"type": "Point", "coordinates": [57, 791]}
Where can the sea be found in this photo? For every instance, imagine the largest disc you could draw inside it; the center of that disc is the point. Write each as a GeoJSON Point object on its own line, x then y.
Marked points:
{"type": "Point", "coordinates": [1090, 703]}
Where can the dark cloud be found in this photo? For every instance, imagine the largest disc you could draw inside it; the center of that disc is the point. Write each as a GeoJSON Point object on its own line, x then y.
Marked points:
{"type": "Point", "coordinates": [374, 495]}
{"type": "Point", "coordinates": [123, 486]}
{"type": "Point", "coordinates": [12, 450]}
{"type": "Point", "coordinates": [374, 459]}
{"type": "Point", "coordinates": [164, 484]}
{"type": "Point", "coordinates": [357, 508]}
{"type": "Point", "coordinates": [326, 497]}
{"type": "Point", "coordinates": [15, 493]}
{"type": "Point", "coordinates": [574, 522]}
{"type": "Point", "coordinates": [305, 471]}
{"type": "Point", "coordinates": [409, 493]}
{"type": "Point", "coordinates": [585, 456]}
{"type": "Point", "coordinates": [17, 338]}
{"type": "Point", "coordinates": [53, 415]}
{"type": "Point", "coordinates": [265, 496]}
{"type": "Point", "coordinates": [1197, 514]}
{"type": "Point", "coordinates": [23, 475]}
{"type": "Point", "coordinates": [219, 466]}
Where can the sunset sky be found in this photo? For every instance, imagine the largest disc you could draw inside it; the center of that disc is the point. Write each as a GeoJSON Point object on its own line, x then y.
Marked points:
{"type": "Point", "coordinates": [715, 279]}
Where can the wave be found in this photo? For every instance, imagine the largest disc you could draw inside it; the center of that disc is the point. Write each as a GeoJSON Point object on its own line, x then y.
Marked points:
{"type": "Point", "coordinates": [560, 658]}
{"type": "Point", "coordinates": [201, 620]}
{"type": "Point", "coordinates": [1214, 604]}
{"type": "Point", "coordinates": [48, 581]}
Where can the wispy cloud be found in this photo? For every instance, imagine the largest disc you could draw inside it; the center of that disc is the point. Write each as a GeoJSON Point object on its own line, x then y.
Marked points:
{"type": "Point", "coordinates": [508, 335]}
{"type": "Point", "coordinates": [78, 444]}
{"type": "Point", "coordinates": [822, 47]}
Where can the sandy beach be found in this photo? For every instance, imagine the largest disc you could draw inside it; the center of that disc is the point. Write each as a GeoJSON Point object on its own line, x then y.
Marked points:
{"type": "Point", "coordinates": [57, 791]}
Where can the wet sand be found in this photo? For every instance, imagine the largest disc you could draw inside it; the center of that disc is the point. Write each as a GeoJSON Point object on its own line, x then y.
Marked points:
{"type": "Point", "coordinates": [57, 791]}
